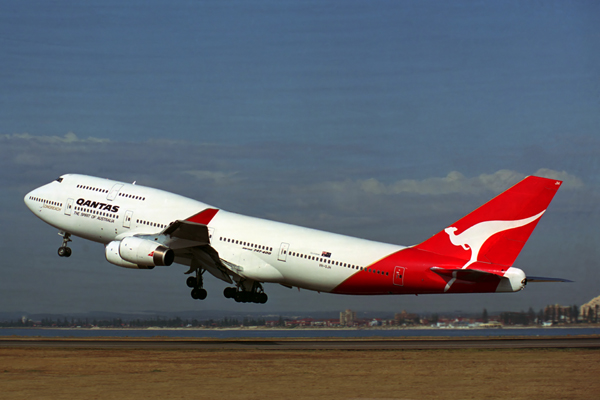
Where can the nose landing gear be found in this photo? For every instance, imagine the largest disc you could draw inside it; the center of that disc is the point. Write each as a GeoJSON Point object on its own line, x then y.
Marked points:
{"type": "Point", "coordinates": [64, 250]}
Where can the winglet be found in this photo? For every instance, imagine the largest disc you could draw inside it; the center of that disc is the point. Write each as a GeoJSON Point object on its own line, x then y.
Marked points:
{"type": "Point", "coordinates": [204, 217]}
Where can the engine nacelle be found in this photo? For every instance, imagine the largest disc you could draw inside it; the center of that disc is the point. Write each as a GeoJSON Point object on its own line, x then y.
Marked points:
{"type": "Point", "coordinates": [133, 252]}
{"type": "Point", "coordinates": [111, 252]}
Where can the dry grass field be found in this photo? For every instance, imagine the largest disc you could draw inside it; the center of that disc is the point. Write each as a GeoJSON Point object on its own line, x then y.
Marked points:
{"type": "Point", "coordinates": [34, 373]}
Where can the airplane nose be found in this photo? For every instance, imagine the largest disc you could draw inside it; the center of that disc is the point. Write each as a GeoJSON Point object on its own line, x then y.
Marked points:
{"type": "Point", "coordinates": [30, 201]}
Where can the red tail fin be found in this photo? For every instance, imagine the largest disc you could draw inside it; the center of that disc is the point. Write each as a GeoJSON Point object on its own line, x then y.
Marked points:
{"type": "Point", "coordinates": [497, 231]}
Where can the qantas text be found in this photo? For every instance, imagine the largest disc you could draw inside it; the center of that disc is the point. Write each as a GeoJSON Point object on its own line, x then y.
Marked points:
{"type": "Point", "coordinates": [97, 205]}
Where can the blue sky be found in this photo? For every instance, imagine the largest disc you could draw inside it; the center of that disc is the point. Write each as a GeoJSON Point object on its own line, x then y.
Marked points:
{"type": "Point", "coordinates": [383, 120]}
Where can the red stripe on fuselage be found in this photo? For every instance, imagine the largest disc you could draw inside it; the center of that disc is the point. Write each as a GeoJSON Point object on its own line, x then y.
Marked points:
{"type": "Point", "coordinates": [204, 217]}
{"type": "Point", "coordinates": [417, 278]}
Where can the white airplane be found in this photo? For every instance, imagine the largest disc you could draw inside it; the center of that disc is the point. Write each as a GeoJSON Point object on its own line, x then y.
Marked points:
{"type": "Point", "coordinates": [142, 227]}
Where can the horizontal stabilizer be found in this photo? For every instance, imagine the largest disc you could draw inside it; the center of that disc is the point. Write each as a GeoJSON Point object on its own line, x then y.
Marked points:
{"type": "Point", "coordinates": [543, 279]}
{"type": "Point", "coordinates": [470, 275]}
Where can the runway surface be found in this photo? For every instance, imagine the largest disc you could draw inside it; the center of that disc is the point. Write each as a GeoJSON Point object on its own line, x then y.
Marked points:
{"type": "Point", "coordinates": [301, 344]}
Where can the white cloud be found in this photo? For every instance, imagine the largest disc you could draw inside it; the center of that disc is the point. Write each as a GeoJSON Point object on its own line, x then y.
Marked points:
{"type": "Point", "coordinates": [28, 159]}
{"type": "Point", "coordinates": [569, 181]}
{"type": "Point", "coordinates": [69, 138]}
{"type": "Point", "coordinates": [454, 182]}
{"type": "Point", "coordinates": [218, 177]}
{"type": "Point", "coordinates": [34, 151]}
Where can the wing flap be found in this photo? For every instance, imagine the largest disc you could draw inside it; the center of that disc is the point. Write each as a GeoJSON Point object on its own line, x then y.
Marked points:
{"type": "Point", "coordinates": [207, 258]}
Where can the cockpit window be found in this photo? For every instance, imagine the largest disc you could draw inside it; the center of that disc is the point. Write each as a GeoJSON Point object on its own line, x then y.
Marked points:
{"type": "Point", "coordinates": [59, 179]}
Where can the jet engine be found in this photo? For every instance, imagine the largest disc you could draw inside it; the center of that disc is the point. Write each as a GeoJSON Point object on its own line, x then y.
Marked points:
{"type": "Point", "coordinates": [133, 252]}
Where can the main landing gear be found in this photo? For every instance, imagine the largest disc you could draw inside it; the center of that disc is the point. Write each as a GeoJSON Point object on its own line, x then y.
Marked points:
{"type": "Point", "coordinates": [241, 295]}
{"type": "Point", "coordinates": [64, 250]}
{"type": "Point", "coordinates": [196, 283]}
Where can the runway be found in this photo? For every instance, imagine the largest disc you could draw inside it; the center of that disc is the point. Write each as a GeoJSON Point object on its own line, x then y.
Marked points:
{"type": "Point", "coordinates": [332, 368]}
{"type": "Point", "coordinates": [304, 344]}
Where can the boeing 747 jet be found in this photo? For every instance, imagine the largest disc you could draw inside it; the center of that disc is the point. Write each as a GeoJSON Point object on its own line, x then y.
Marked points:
{"type": "Point", "coordinates": [143, 228]}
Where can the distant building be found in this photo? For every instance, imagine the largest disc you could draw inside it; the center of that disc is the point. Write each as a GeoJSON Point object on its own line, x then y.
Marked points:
{"type": "Point", "coordinates": [300, 322]}
{"type": "Point", "coordinates": [560, 314]}
{"type": "Point", "coordinates": [490, 324]}
{"type": "Point", "coordinates": [347, 318]}
{"type": "Point", "coordinates": [589, 311]}
{"type": "Point", "coordinates": [405, 318]}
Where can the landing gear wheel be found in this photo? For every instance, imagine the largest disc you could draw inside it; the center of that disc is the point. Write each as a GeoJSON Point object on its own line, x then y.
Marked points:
{"type": "Point", "coordinates": [64, 251]}
{"type": "Point", "coordinates": [238, 297]}
{"type": "Point", "coordinates": [196, 283]}
{"type": "Point", "coordinates": [247, 292]}
{"type": "Point", "coordinates": [243, 297]}
{"type": "Point", "coordinates": [262, 298]}
{"type": "Point", "coordinates": [199, 294]}
{"type": "Point", "coordinates": [191, 281]}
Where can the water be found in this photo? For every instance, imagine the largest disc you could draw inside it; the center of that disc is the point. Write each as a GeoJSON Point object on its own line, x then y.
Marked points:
{"type": "Point", "coordinates": [294, 333]}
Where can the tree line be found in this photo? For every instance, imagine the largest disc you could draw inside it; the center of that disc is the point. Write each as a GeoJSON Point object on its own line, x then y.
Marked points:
{"type": "Point", "coordinates": [175, 322]}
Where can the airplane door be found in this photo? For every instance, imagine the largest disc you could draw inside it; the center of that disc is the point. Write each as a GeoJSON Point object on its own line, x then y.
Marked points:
{"type": "Point", "coordinates": [399, 276]}
{"type": "Point", "coordinates": [127, 220]}
{"type": "Point", "coordinates": [283, 250]}
{"type": "Point", "coordinates": [114, 191]}
{"type": "Point", "coordinates": [69, 207]}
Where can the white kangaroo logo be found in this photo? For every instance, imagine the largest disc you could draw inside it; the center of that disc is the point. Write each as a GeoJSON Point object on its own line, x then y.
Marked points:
{"type": "Point", "coordinates": [475, 237]}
